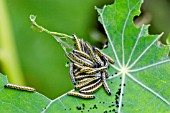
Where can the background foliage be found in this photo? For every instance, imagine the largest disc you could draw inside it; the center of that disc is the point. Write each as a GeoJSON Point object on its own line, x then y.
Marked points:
{"type": "Point", "coordinates": [40, 60]}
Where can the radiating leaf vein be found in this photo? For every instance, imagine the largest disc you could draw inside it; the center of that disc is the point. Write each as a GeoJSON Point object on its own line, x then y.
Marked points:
{"type": "Point", "coordinates": [149, 66]}
{"type": "Point", "coordinates": [149, 89]}
{"type": "Point", "coordinates": [140, 56]}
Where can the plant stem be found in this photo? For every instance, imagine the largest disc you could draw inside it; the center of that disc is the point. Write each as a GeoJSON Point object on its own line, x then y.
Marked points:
{"type": "Point", "coordinates": [42, 29]}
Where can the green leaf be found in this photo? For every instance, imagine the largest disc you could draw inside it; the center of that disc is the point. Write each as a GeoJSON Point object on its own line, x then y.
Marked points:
{"type": "Point", "coordinates": [168, 39]}
{"type": "Point", "coordinates": [168, 43]}
{"type": "Point", "coordinates": [15, 101]}
{"type": "Point", "coordinates": [139, 80]}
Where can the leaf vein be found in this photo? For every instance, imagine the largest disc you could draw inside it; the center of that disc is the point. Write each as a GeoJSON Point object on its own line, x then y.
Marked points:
{"type": "Point", "coordinates": [109, 38]}
{"type": "Point", "coordinates": [134, 47]}
{"type": "Point", "coordinates": [149, 89]}
{"type": "Point", "coordinates": [123, 33]}
{"type": "Point", "coordinates": [144, 51]}
{"type": "Point", "coordinates": [121, 92]}
{"type": "Point", "coordinates": [149, 66]}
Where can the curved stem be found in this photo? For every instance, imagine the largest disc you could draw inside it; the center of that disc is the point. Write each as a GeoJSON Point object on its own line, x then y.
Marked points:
{"type": "Point", "coordinates": [42, 29]}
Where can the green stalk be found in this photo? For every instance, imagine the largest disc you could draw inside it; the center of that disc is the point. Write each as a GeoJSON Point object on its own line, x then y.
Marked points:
{"type": "Point", "coordinates": [58, 36]}
{"type": "Point", "coordinates": [42, 29]}
{"type": "Point", "coordinates": [8, 51]}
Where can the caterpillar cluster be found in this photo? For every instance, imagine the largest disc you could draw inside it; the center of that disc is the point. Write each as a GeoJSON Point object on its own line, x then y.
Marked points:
{"type": "Point", "coordinates": [88, 69]}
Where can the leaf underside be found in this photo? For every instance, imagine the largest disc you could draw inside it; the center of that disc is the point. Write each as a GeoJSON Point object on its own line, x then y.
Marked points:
{"type": "Point", "coordinates": [139, 79]}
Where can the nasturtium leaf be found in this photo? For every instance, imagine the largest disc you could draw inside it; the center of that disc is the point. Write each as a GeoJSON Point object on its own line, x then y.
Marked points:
{"type": "Point", "coordinates": [139, 79]}
{"type": "Point", "coordinates": [16, 101]}
{"type": "Point", "coordinates": [168, 39]}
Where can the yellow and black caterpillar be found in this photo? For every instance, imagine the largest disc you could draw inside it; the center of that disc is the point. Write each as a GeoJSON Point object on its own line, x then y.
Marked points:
{"type": "Point", "coordinates": [88, 69]}
{"type": "Point", "coordinates": [24, 88]}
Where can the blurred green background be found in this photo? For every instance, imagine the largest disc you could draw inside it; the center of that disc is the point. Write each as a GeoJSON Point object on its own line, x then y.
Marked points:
{"type": "Point", "coordinates": [36, 59]}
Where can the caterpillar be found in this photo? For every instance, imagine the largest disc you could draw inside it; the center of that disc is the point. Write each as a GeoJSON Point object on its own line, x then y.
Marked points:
{"type": "Point", "coordinates": [105, 44]}
{"type": "Point", "coordinates": [92, 54]}
{"type": "Point", "coordinates": [24, 88]}
{"type": "Point", "coordinates": [80, 66]}
{"type": "Point", "coordinates": [80, 77]}
{"type": "Point", "coordinates": [71, 93]}
{"type": "Point", "coordinates": [91, 86]}
{"type": "Point", "coordinates": [82, 45]}
{"type": "Point", "coordinates": [85, 80]}
{"type": "Point", "coordinates": [71, 74]}
{"type": "Point", "coordinates": [100, 60]}
{"type": "Point", "coordinates": [75, 70]}
{"type": "Point", "coordinates": [78, 46]}
{"type": "Point", "coordinates": [106, 87]}
{"type": "Point", "coordinates": [96, 71]}
{"type": "Point", "coordinates": [68, 56]}
{"type": "Point", "coordinates": [80, 85]}
{"type": "Point", "coordinates": [83, 54]}
{"type": "Point", "coordinates": [91, 91]}
{"type": "Point", "coordinates": [73, 58]}
{"type": "Point", "coordinates": [86, 60]}
{"type": "Point", "coordinates": [106, 74]}
{"type": "Point", "coordinates": [84, 70]}
{"type": "Point", "coordinates": [105, 60]}
{"type": "Point", "coordinates": [102, 54]}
